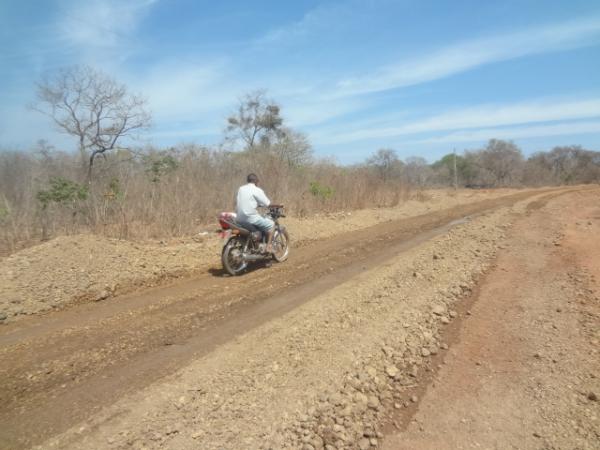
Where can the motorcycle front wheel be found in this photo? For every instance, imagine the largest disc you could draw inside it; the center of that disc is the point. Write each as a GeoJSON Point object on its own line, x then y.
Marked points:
{"type": "Point", "coordinates": [281, 245]}
{"type": "Point", "coordinates": [232, 257]}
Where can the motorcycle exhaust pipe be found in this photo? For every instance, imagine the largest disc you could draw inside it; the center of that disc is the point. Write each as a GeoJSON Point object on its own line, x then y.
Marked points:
{"type": "Point", "coordinates": [253, 257]}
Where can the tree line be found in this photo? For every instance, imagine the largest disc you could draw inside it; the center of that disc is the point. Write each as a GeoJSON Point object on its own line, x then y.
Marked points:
{"type": "Point", "coordinates": [115, 187]}
{"type": "Point", "coordinates": [499, 164]}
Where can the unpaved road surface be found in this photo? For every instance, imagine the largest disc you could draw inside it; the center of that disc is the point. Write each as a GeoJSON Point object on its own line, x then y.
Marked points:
{"type": "Point", "coordinates": [524, 372]}
{"type": "Point", "coordinates": [335, 348]}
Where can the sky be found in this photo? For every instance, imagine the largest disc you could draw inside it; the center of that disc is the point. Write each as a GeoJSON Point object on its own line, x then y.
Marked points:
{"type": "Point", "coordinates": [421, 77]}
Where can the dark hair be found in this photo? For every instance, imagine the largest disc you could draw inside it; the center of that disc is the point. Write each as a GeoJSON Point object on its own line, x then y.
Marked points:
{"type": "Point", "coordinates": [252, 178]}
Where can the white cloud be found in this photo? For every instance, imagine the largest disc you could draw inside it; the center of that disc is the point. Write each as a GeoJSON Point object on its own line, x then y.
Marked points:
{"type": "Point", "coordinates": [205, 93]}
{"type": "Point", "coordinates": [471, 54]}
{"type": "Point", "coordinates": [330, 99]}
{"type": "Point", "coordinates": [192, 95]}
{"type": "Point", "coordinates": [321, 19]}
{"type": "Point", "coordinates": [474, 117]}
{"type": "Point", "coordinates": [181, 91]}
{"type": "Point", "coordinates": [485, 134]}
{"type": "Point", "coordinates": [306, 113]}
{"type": "Point", "coordinates": [100, 24]}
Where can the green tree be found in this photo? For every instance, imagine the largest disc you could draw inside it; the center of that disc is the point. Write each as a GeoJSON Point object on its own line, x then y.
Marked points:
{"type": "Point", "coordinates": [465, 169]}
{"type": "Point", "coordinates": [63, 192]}
{"type": "Point", "coordinates": [320, 191]}
{"type": "Point", "coordinates": [160, 164]}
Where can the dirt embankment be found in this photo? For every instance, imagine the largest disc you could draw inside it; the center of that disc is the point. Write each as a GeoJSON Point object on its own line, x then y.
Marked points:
{"type": "Point", "coordinates": [81, 268]}
{"type": "Point", "coordinates": [332, 372]}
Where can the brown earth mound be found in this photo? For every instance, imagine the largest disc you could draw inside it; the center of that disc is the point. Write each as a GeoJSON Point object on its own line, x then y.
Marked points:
{"type": "Point", "coordinates": [80, 268]}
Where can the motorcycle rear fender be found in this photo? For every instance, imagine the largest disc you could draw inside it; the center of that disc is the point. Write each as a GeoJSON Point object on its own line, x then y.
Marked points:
{"type": "Point", "coordinates": [234, 237]}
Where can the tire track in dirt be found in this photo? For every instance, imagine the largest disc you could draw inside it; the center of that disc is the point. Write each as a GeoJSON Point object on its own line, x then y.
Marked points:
{"type": "Point", "coordinates": [82, 359]}
{"type": "Point", "coordinates": [401, 419]}
{"type": "Point", "coordinates": [521, 369]}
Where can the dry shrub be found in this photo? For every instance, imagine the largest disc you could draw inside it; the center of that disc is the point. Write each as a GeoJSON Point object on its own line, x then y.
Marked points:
{"type": "Point", "coordinates": [167, 193]}
{"type": "Point", "coordinates": [421, 196]}
{"type": "Point", "coordinates": [153, 193]}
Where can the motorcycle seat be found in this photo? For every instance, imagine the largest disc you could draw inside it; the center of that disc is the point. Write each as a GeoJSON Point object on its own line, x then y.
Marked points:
{"type": "Point", "coordinates": [247, 226]}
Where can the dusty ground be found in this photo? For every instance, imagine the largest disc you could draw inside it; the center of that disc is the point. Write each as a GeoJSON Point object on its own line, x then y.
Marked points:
{"type": "Point", "coordinates": [337, 348]}
{"type": "Point", "coordinates": [81, 268]}
{"type": "Point", "coordinates": [525, 372]}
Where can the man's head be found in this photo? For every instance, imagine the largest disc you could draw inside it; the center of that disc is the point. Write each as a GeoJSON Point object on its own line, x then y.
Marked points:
{"type": "Point", "coordinates": [252, 178]}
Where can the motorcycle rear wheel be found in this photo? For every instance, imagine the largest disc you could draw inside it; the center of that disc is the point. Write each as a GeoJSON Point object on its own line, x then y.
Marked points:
{"type": "Point", "coordinates": [231, 257]}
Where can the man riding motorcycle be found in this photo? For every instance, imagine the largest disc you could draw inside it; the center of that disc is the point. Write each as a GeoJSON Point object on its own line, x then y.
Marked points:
{"type": "Point", "coordinates": [250, 237]}
{"type": "Point", "coordinates": [249, 197]}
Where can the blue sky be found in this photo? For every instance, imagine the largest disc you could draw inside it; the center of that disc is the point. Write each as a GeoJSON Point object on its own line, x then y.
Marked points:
{"type": "Point", "coordinates": [421, 77]}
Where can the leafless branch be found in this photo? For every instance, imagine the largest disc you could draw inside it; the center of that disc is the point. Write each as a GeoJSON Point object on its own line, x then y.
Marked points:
{"type": "Point", "coordinates": [94, 108]}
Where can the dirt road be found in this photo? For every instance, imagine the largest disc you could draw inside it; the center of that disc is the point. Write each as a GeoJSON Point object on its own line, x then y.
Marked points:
{"type": "Point", "coordinates": [138, 358]}
{"type": "Point", "coordinates": [524, 370]}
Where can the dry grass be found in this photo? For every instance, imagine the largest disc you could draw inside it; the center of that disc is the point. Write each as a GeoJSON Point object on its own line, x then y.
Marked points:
{"type": "Point", "coordinates": [168, 194]}
{"type": "Point", "coordinates": [172, 193]}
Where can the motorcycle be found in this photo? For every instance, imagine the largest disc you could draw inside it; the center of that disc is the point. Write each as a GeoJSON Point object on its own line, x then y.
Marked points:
{"type": "Point", "coordinates": [246, 243]}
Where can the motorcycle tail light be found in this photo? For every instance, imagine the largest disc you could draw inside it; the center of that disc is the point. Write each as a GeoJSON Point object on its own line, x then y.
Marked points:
{"type": "Point", "coordinates": [225, 217]}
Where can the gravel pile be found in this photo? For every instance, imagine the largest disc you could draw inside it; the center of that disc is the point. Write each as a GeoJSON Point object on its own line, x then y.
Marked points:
{"type": "Point", "coordinates": [71, 269]}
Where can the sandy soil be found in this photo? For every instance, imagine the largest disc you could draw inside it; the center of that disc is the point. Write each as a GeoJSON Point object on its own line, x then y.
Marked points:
{"type": "Point", "coordinates": [394, 335]}
{"type": "Point", "coordinates": [82, 268]}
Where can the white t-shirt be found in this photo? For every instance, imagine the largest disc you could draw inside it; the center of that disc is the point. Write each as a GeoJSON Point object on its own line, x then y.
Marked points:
{"type": "Point", "coordinates": [249, 197]}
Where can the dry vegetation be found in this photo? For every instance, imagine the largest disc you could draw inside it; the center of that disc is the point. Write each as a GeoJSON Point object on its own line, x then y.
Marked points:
{"type": "Point", "coordinates": [166, 193]}
{"type": "Point", "coordinates": [151, 192]}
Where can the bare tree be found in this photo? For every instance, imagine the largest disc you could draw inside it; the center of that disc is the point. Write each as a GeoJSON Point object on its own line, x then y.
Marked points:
{"type": "Point", "coordinates": [501, 163]}
{"type": "Point", "coordinates": [539, 170]}
{"type": "Point", "coordinates": [386, 163]}
{"type": "Point", "coordinates": [257, 119]}
{"type": "Point", "coordinates": [94, 108]}
{"type": "Point", "coordinates": [293, 148]}
{"type": "Point", "coordinates": [417, 171]}
{"type": "Point", "coordinates": [572, 164]}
